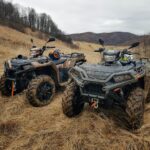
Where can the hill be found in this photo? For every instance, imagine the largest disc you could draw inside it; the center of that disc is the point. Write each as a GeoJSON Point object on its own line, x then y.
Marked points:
{"type": "Point", "coordinates": [25, 127]}
{"type": "Point", "coordinates": [114, 38]}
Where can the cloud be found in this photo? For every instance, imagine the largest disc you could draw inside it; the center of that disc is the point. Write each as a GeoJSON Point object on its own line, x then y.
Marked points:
{"type": "Point", "coordinates": [97, 15]}
{"type": "Point", "coordinates": [115, 22]}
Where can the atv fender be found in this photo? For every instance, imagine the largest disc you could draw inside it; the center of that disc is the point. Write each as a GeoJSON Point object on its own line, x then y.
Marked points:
{"type": "Point", "coordinates": [38, 65]}
{"type": "Point", "coordinates": [48, 67]}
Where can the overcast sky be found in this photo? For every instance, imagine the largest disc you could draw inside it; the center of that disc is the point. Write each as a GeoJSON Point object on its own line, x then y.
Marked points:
{"type": "Point", "coordinates": [75, 16]}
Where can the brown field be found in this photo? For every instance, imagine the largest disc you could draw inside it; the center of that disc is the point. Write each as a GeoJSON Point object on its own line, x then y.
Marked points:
{"type": "Point", "coordinates": [23, 127]}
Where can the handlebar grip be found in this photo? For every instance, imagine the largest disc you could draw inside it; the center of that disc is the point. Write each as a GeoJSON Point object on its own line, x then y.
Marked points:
{"type": "Point", "coordinates": [100, 50]}
{"type": "Point", "coordinates": [96, 51]}
{"type": "Point", "coordinates": [50, 47]}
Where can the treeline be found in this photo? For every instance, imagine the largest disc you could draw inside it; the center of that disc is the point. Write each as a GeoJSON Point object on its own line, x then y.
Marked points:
{"type": "Point", "coordinates": [19, 18]}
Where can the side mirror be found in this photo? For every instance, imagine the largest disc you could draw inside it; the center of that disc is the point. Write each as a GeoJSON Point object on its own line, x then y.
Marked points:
{"type": "Point", "coordinates": [51, 40]}
{"type": "Point", "coordinates": [100, 50]}
{"type": "Point", "coordinates": [31, 40]}
{"type": "Point", "coordinates": [134, 45]}
{"type": "Point", "coordinates": [101, 42]}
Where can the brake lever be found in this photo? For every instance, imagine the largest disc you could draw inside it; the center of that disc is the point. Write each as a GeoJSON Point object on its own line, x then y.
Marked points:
{"type": "Point", "coordinates": [96, 51]}
{"type": "Point", "coordinates": [50, 47]}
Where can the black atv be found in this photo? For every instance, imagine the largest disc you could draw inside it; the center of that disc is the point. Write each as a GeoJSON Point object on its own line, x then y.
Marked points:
{"type": "Point", "coordinates": [117, 81]}
{"type": "Point", "coordinates": [39, 74]}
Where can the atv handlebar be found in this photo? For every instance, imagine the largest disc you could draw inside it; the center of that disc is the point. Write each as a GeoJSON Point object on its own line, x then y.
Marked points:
{"type": "Point", "coordinates": [50, 47]}
{"type": "Point", "coordinates": [125, 51]}
{"type": "Point", "coordinates": [46, 47]}
{"type": "Point", "coordinates": [100, 50]}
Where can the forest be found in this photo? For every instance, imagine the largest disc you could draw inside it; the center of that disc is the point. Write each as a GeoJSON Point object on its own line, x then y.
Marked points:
{"type": "Point", "coordinates": [19, 18]}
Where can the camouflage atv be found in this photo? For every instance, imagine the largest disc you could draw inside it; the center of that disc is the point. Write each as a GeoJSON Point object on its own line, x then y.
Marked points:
{"type": "Point", "coordinates": [118, 81]}
{"type": "Point", "coordinates": [39, 74]}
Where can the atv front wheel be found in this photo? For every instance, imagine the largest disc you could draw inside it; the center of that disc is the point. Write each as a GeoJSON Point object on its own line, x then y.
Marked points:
{"type": "Point", "coordinates": [72, 101]}
{"type": "Point", "coordinates": [5, 86]}
{"type": "Point", "coordinates": [134, 111]}
{"type": "Point", "coordinates": [41, 91]}
{"type": "Point", "coordinates": [148, 98]}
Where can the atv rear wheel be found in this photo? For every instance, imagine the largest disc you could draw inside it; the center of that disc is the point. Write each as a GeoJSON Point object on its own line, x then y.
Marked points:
{"type": "Point", "coordinates": [147, 89]}
{"type": "Point", "coordinates": [5, 86]}
{"type": "Point", "coordinates": [41, 91]}
{"type": "Point", "coordinates": [72, 101]}
{"type": "Point", "coordinates": [134, 110]}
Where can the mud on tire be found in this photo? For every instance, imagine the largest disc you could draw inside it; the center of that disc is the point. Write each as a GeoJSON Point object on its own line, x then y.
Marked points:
{"type": "Point", "coordinates": [147, 89]}
{"type": "Point", "coordinates": [5, 86]}
{"type": "Point", "coordinates": [134, 111]}
{"type": "Point", "coordinates": [40, 91]}
{"type": "Point", "coordinates": [72, 101]}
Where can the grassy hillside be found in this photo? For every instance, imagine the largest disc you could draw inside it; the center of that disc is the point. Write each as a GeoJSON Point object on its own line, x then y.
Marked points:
{"type": "Point", "coordinates": [113, 38]}
{"type": "Point", "coordinates": [23, 127]}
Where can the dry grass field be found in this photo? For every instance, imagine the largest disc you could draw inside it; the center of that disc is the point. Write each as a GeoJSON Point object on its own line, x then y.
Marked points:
{"type": "Point", "coordinates": [23, 127]}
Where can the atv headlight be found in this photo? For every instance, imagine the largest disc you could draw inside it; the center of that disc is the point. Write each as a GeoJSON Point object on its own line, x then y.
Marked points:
{"type": "Point", "coordinates": [9, 64]}
{"type": "Point", "coordinates": [6, 66]}
{"type": "Point", "coordinates": [121, 78]}
{"type": "Point", "coordinates": [109, 58]}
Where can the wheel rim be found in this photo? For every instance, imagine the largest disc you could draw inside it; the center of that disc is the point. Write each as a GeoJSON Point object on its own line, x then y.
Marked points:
{"type": "Point", "coordinates": [44, 91]}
